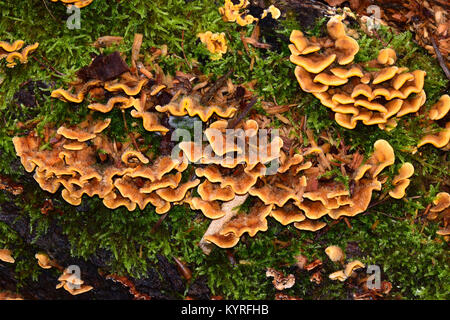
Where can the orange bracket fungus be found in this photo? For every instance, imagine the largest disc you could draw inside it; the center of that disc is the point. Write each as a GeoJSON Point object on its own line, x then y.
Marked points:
{"type": "Point", "coordinates": [77, 3]}
{"type": "Point", "coordinates": [227, 167]}
{"type": "Point", "coordinates": [72, 283]}
{"type": "Point", "coordinates": [401, 181]}
{"type": "Point", "coordinates": [325, 68]}
{"type": "Point", "coordinates": [215, 43]}
{"type": "Point", "coordinates": [7, 295]}
{"type": "Point", "coordinates": [274, 12]}
{"type": "Point", "coordinates": [13, 52]}
{"type": "Point", "coordinates": [441, 209]}
{"type": "Point", "coordinates": [6, 256]}
{"type": "Point", "coordinates": [45, 262]}
{"type": "Point", "coordinates": [439, 140]}
{"type": "Point", "coordinates": [349, 268]}
{"type": "Point", "coordinates": [236, 11]}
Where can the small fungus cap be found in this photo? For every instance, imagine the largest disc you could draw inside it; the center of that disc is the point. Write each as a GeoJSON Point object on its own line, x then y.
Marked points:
{"type": "Point", "coordinates": [352, 266]}
{"type": "Point", "coordinates": [335, 253]}
{"type": "Point", "coordinates": [441, 202]}
{"type": "Point", "coordinates": [440, 109]}
{"type": "Point", "coordinates": [6, 256]}
{"type": "Point", "coordinates": [387, 56]}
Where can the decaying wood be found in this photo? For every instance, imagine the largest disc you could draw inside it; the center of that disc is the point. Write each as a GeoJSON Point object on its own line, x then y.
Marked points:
{"type": "Point", "coordinates": [137, 43]}
{"type": "Point", "coordinates": [216, 225]}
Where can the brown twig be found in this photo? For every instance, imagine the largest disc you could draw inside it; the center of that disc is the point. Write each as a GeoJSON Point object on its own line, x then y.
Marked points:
{"type": "Point", "coordinates": [158, 223]}
{"type": "Point", "coordinates": [377, 203]}
{"type": "Point", "coordinates": [388, 215]}
{"type": "Point", "coordinates": [216, 86]}
{"type": "Point", "coordinates": [439, 57]}
{"type": "Point", "coordinates": [379, 38]}
{"type": "Point", "coordinates": [48, 67]}
{"type": "Point", "coordinates": [45, 4]}
{"type": "Point", "coordinates": [182, 50]}
{"type": "Point", "coordinates": [233, 123]}
{"type": "Point", "coordinates": [133, 140]}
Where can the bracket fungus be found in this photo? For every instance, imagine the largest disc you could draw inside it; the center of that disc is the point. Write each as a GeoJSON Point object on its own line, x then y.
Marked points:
{"type": "Point", "coordinates": [438, 111]}
{"type": "Point", "coordinates": [236, 12]}
{"type": "Point", "coordinates": [232, 163]}
{"type": "Point", "coordinates": [326, 68]}
{"type": "Point", "coordinates": [44, 261]}
{"type": "Point", "coordinates": [274, 12]}
{"type": "Point", "coordinates": [439, 140]}
{"type": "Point", "coordinates": [11, 52]}
{"type": "Point", "coordinates": [6, 256]}
{"type": "Point", "coordinates": [7, 295]}
{"type": "Point", "coordinates": [441, 209]}
{"type": "Point", "coordinates": [77, 3]}
{"type": "Point", "coordinates": [348, 271]}
{"type": "Point", "coordinates": [441, 108]}
{"type": "Point", "coordinates": [215, 43]}
{"type": "Point", "coordinates": [72, 283]}
{"type": "Point", "coordinates": [401, 181]}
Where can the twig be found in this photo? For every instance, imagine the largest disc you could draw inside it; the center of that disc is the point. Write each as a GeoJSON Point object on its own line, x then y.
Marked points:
{"type": "Point", "coordinates": [377, 203]}
{"type": "Point", "coordinates": [216, 86]}
{"type": "Point", "coordinates": [387, 215]}
{"type": "Point", "coordinates": [45, 4]}
{"type": "Point", "coordinates": [238, 119]}
{"type": "Point", "coordinates": [158, 223]}
{"type": "Point", "coordinates": [182, 50]}
{"type": "Point", "coordinates": [347, 223]}
{"type": "Point", "coordinates": [439, 57]}
{"type": "Point", "coordinates": [379, 38]}
{"type": "Point", "coordinates": [47, 66]}
{"type": "Point", "coordinates": [128, 132]}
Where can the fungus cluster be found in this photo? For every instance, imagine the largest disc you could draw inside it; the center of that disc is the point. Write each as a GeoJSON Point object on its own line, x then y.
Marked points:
{"type": "Point", "coordinates": [124, 178]}
{"type": "Point", "coordinates": [238, 12]}
{"type": "Point", "coordinates": [348, 271]}
{"type": "Point", "coordinates": [297, 194]}
{"type": "Point", "coordinates": [441, 211]}
{"type": "Point", "coordinates": [374, 93]}
{"type": "Point", "coordinates": [438, 111]}
{"type": "Point", "coordinates": [401, 181]}
{"type": "Point", "coordinates": [215, 43]}
{"type": "Point", "coordinates": [72, 283]}
{"type": "Point", "coordinates": [291, 186]}
{"type": "Point", "coordinates": [77, 3]}
{"type": "Point", "coordinates": [13, 52]}
{"type": "Point", "coordinates": [83, 160]}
